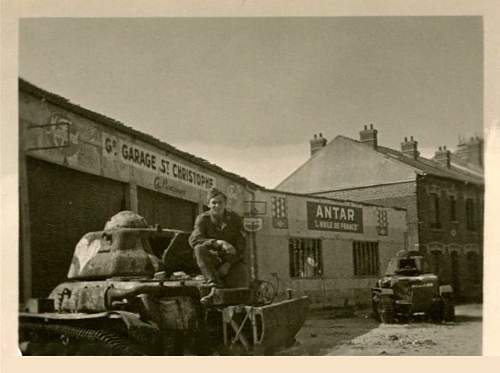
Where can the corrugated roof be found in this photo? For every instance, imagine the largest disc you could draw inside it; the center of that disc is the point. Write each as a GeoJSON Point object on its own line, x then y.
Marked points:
{"type": "Point", "coordinates": [28, 87]}
{"type": "Point", "coordinates": [429, 166]}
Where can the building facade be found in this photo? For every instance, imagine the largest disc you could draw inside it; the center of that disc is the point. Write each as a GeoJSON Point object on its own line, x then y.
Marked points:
{"type": "Point", "coordinates": [443, 197]}
{"type": "Point", "coordinates": [329, 249]}
{"type": "Point", "coordinates": [78, 168]}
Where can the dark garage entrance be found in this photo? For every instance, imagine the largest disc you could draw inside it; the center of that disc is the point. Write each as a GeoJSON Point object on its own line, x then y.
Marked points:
{"type": "Point", "coordinates": [168, 212]}
{"type": "Point", "coordinates": [64, 204]}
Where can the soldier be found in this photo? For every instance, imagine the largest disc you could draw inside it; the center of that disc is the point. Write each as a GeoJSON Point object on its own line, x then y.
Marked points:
{"type": "Point", "coordinates": [217, 240]}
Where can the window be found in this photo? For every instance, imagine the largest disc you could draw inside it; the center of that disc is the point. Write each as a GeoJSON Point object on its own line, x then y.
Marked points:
{"type": "Point", "coordinates": [365, 258]}
{"type": "Point", "coordinates": [435, 262]}
{"type": "Point", "coordinates": [453, 208]}
{"type": "Point", "coordinates": [473, 266]}
{"type": "Point", "coordinates": [470, 214]}
{"type": "Point", "coordinates": [480, 213]}
{"type": "Point", "coordinates": [434, 211]}
{"type": "Point", "coordinates": [305, 257]}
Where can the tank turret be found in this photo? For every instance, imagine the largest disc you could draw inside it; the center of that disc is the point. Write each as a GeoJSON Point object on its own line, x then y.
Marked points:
{"type": "Point", "coordinates": [122, 249]}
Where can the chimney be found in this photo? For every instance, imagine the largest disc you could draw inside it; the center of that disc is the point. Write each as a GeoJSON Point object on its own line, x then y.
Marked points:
{"type": "Point", "coordinates": [471, 151]}
{"type": "Point", "coordinates": [317, 143]}
{"type": "Point", "coordinates": [409, 148]}
{"type": "Point", "coordinates": [368, 136]}
{"type": "Point", "coordinates": [442, 156]}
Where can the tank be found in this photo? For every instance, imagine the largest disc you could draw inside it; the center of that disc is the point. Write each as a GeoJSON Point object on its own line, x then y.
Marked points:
{"type": "Point", "coordinates": [132, 289]}
{"type": "Point", "coordinates": [409, 289]}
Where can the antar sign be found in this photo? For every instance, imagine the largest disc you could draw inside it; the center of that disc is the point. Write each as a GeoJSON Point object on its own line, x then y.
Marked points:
{"type": "Point", "coordinates": [327, 217]}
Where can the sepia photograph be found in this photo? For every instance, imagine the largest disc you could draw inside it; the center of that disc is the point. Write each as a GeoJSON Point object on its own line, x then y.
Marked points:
{"type": "Point", "coordinates": [251, 186]}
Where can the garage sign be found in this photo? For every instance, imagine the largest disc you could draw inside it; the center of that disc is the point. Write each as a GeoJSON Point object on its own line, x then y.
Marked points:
{"type": "Point", "coordinates": [145, 159]}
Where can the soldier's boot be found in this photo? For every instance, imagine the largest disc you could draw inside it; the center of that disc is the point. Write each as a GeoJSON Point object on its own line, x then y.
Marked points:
{"type": "Point", "coordinates": [207, 300]}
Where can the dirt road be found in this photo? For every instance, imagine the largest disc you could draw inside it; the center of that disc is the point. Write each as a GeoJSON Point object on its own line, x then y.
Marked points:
{"type": "Point", "coordinates": [361, 335]}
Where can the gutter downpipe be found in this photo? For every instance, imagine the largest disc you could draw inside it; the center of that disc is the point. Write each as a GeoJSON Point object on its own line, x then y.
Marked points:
{"type": "Point", "coordinates": [253, 243]}
{"type": "Point", "coordinates": [419, 212]}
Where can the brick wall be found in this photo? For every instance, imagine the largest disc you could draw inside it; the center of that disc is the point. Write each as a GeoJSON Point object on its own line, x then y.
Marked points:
{"type": "Point", "coordinates": [453, 235]}
{"type": "Point", "coordinates": [451, 231]}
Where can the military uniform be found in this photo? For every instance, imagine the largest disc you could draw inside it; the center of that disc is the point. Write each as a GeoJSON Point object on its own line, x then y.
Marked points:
{"type": "Point", "coordinates": [207, 230]}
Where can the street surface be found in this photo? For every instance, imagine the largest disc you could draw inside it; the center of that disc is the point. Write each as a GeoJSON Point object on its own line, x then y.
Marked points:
{"type": "Point", "coordinates": [362, 335]}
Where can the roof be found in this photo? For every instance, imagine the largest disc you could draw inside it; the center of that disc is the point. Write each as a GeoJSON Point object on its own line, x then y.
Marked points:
{"type": "Point", "coordinates": [53, 98]}
{"type": "Point", "coordinates": [325, 198]}
{"type": "Point", "coordinates": [429, 166]}
{"type": "Point", "coordinates": [458, 162]}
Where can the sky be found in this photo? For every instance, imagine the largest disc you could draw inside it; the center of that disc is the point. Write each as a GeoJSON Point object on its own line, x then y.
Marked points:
{"type": "Point", "coordinates": [249, 93]}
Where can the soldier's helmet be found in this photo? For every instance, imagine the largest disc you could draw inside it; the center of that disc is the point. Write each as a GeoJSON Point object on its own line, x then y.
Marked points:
{"type": "Point", "coordinates": [126, 219]}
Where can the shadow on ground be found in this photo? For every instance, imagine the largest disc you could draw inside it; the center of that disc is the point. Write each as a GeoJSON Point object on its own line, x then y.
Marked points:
{"type": "Point", "coordinates": [337, 332]}
{"type": "Point", "coordinates": [465, 318]}
{"type": "Point", "coordinates": [327, 329]}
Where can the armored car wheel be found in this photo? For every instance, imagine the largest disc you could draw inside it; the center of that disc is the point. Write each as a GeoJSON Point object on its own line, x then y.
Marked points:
{"type": "Point", "coordinates": [374, 313]}
{"type": "Point", "coordinates": [436, 311]}
{"type": "Point", "coordinates": [385, 309]}
{"type": "Point", "coordinates": [448, 309]}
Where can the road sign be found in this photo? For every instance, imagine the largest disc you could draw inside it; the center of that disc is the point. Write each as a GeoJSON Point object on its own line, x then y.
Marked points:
{"type": "Point", "coordinates": [254, 208]}
{"type": "Point", "coordinates": [252, 224]}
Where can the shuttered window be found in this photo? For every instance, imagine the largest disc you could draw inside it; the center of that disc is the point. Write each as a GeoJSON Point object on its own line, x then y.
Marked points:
{"type": "Point", "coordinates": [305, 257]}
{"type": "Point", "coordinates": [434, 212]}
{"type": "Point", "coordinates": [453, 208]}
{"type": "Point", "coordinates": [474, 267]}
{"type": "Point", "coordinates": [436, 259]}
{"type": "Point", "coordinates": [470, 214]}
{"type": "Point", "coordinates": [365, 258]}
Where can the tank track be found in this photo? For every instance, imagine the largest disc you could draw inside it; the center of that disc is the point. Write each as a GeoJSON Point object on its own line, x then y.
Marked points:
{"type": "Point", "coordinates": [117, 344]}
